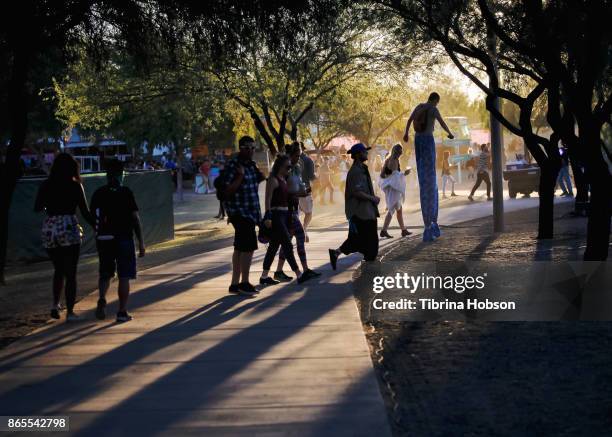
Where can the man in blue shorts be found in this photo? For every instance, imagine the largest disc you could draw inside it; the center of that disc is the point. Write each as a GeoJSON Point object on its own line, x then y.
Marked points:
{"type": "Point", "coordinates": [117, 221]}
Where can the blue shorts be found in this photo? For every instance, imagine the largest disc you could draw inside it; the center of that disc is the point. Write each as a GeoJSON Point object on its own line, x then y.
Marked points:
{"type": "Point", "coordinates": [117, 255]}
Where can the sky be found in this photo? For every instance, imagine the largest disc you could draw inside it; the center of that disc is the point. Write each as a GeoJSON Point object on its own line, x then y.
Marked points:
{"type": "Point", "coordinates": [445, 73]}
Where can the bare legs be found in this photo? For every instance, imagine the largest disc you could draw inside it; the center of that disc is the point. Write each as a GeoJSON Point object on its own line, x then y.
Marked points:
{"type": "Point", "coordinates": [241, 266]}
{"type": "Point", "coordinates": [65, 260]}
{"type": "Point", "coordinates": [307, 220]}
{"type": "Point", "coordinates": [236, 267]}
{"type": "Point", "coordinates": [400, 219]}
{"type": "Point", "coordinates": [388, 218]}
{"type": "Point", "coordinates": [123, 290]}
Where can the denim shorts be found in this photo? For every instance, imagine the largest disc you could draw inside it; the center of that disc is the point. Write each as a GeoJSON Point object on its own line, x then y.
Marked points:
{"type": "Point", "coordinates": [117, 255]}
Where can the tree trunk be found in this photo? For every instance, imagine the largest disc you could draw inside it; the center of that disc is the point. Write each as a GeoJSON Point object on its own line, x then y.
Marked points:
{"type": "Point", "coordinates": [581, 200]}
{"type": "Point", "coordinates": [598, 227]}
{"type": "Point", "coordinates": [546, 191]}
{"type": "Point", "coordinates": [179, 171]}
{"type": "Point", "coordinates": [179, 182]}
{"type": "Point", "coordinates": [11, 170]}
{"type": "Point", "coordinates": [293, 133]}
{"type": "Point", "coordinates": [549, 164]}
{"type": "Point", "coordinates": [600, 181]}
{"type": "Point", "coordinates": [280, 144]}
{"type": "Point", "coordinates": [261, 128]}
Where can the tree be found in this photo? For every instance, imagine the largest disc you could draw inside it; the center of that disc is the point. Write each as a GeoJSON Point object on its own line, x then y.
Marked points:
{"type": "Point", "coordinates": [573, 40]}
{"type": "Point", "coordinates": [138, 26]}
{"type": "Point", "coordinates": [528, 42]}
{"type": "Point", "coordinates": [320, 125]}
{"type": "Point", "coordinates": [372, 109]}
{"type": "Point", "coordinates": [52, 28]}
{"type": "Point", "coordinates": [157, 106]}
{"type": "Point", "coordinates": [278, 82]}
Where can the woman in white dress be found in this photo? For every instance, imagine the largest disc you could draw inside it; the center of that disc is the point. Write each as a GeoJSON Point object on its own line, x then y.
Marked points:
{"type": "Point", "coordinates": [393, 184]}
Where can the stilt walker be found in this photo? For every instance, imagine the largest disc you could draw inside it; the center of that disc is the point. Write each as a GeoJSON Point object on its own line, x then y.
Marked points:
{"type": "Point", "coordinates": [424, 117]}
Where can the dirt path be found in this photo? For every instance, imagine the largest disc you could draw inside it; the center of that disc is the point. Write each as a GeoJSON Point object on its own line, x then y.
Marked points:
{"type": "Point", "coordinates": [496, 378]}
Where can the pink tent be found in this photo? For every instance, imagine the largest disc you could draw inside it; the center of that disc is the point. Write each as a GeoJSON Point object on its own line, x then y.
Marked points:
{"type": "Point", "coordinates": [480, 136]}
{"type": "Point", "coordinates": [342, 144]}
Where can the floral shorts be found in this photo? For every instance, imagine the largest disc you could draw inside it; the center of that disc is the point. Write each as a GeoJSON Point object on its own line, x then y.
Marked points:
{"type": "Point", "coordinates": [61, 230]}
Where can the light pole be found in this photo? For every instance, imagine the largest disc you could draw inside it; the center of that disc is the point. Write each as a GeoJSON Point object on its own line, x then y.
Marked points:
{"type": "Point", "coordinates": [497, 145]}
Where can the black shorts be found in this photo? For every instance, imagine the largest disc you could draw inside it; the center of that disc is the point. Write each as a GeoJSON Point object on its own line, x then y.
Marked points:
{"type": "Point", "coordinates": [117, 255]}
{"type": "Point", "coordinates": [245, 237]}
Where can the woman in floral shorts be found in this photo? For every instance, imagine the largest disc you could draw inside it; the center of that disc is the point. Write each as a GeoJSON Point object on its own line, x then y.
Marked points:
{"type": "Point", "coordinates": [59, 196]}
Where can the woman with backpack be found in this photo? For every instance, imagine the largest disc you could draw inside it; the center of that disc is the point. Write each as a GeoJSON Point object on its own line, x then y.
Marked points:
{"type": "Point", "coordinates": [277, 219]}
{"type": "Point", "coordinates": [297, 190]}
{"type": "Point", "coordinates": [59, 196]}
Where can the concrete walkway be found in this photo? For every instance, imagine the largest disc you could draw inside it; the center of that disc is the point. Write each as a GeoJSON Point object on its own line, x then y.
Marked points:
{"type": "Point", "coordinates": [196, 360]}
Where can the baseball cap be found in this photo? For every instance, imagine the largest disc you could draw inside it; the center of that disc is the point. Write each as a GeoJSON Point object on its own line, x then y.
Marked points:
{"type": "Point", "coordinates": [359, 147]}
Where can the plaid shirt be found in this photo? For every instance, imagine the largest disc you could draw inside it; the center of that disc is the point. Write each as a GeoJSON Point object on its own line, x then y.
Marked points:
{"type": "Point", "coordinates": [245, 201]}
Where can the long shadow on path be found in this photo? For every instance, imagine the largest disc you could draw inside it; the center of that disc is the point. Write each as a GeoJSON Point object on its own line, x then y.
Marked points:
{"type": "Point", "coordinates": [63, 334]}
{"type": "Point", "coordinates": [68, 389]}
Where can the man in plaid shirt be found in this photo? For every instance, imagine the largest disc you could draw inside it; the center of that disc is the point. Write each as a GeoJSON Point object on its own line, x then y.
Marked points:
{"type": "Point", "coordinates": [242, 206]}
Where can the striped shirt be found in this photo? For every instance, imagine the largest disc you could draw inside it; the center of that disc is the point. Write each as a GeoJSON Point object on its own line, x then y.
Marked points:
{"type": "Point", "coordinates": [483, 162]}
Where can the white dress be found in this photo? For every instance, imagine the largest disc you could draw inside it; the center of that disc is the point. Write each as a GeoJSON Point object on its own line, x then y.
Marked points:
{"type": "Point", "coordinates": [394, 187]}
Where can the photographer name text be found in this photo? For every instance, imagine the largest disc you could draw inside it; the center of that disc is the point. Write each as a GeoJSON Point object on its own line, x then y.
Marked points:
{"type": "Point", "coordinates": [412, 284]}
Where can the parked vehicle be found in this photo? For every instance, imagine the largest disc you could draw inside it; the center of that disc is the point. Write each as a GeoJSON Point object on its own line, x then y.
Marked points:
{"type": "Point", "coordinates": [522, 178]}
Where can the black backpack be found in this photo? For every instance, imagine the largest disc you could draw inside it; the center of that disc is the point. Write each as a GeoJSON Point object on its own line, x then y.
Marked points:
{"type": "Point", "coordinates": [220, 183]}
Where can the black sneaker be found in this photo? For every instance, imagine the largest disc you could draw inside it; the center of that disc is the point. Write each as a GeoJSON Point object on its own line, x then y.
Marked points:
{"type": "Point", "coordinates": [101, 309]}
{"type": "Point", "coordinates": [385, 234]}
{"type": "Point", "coordinates": [306, 276]}
{"type": "Point", "coordinates": [55, 313]}
{"type": "Point", "coordinates": [233, 289]}
{"type": "Point", "coordinates": [282, 277]}
{"type": "Point", "coordinates": [246, 289]}
{"type": "Point", "coordinates": [268, 281]}
{"type": "Point", "coordinates": [123, 316]}
{"type": "Point", "coordinates": [313, 272]}
{"type": "Point", "coordinates": [333, 258]}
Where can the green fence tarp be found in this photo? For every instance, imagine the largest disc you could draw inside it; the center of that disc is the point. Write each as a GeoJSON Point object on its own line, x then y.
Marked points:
{"type": "Point", "coordinates": [152, 190]}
